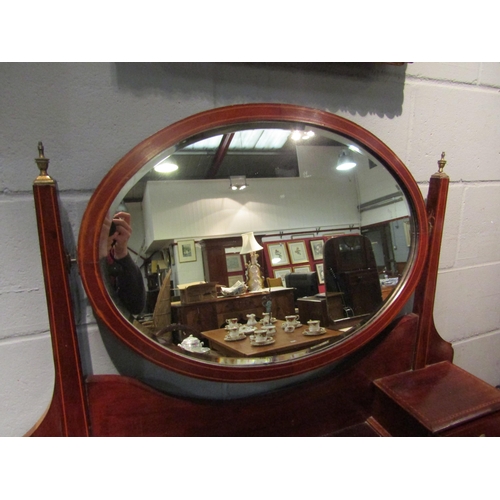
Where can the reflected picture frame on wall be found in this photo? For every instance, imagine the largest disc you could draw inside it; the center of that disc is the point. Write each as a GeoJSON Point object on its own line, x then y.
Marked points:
{"type": "Point", "coordinates": [298, 252]}
{"type": "Point", "coordinates": [321, 273]}
{"type": "Point", "coordinates": [317, 249]}
{"type": "Point", "coordinates": [231, 280]}
{"type": "Point", "coordinates": [302, 269]}
{"type": "Point", "coordinates": [233, 262]}
{"type": "Point", "coordinates": [281, 273]}
{"type": "Point", "coordinates": [278, 254]}
{"type": "Point", "coordinates": [186, 251]}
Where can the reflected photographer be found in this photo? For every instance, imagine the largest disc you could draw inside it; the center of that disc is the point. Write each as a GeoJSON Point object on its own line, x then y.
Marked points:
{"type": "Point", "coordinates": [125, 276]}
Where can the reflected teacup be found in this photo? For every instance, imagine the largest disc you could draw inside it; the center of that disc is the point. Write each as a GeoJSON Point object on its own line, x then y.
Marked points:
{"type": "Point", "coordinates": [289, 328]}
{"type": "Point", "coordinates": [270, 330]}
{"type": "Point", "coordinates": [234, 332]}
{"type": "Point", "coordinates": [260, 336]}
{"type": "Point", "coordinates": [313, 325]}
{"type": "Point", "coordinates": [292, 319]}
{"type": "Point", "coordinates": [232, 321]}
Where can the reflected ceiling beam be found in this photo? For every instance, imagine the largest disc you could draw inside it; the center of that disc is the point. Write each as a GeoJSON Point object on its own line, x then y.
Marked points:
{"type": "Point", "coordinates": [219, 155]}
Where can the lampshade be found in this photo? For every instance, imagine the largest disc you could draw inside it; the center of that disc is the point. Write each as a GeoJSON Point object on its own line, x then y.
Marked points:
{"type": "Point", "coordinates": [249, 244]}
{"type": "Point", "coordinates": [346, 161]}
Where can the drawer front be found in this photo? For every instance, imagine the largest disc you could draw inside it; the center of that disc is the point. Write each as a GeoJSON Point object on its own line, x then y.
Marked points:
{"type": "Point", "coordinates": [488, 426]}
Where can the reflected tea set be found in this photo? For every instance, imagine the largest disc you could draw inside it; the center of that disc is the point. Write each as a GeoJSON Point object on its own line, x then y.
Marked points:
{"type": "Point", "coordinates": [264, 333]}
{"type": "Point", "coordinates": [259, 334]}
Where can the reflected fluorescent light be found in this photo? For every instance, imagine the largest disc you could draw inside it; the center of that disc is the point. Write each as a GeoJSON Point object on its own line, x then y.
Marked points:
{"type": "Point", "coordinates": [238, 182]}
{"type": "Point", "coordinates": [246, 139]}
{"type": "Point", "coordinates": [345, 161]}
{"type": "Point", "coordinates": [166, 167]}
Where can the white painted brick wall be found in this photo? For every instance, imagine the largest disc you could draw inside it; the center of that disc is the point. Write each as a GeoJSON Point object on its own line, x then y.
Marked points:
{"type": "Point", "coordinates": [90, 115]}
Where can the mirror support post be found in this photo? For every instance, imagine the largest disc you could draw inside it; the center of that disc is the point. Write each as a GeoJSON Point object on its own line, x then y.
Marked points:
{"type": "Point", "coordinates": [431, 347]}
{"type": "Point", "coordinates": [67, 414]}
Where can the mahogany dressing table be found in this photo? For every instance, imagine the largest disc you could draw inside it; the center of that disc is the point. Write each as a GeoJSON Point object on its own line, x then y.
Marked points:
{"type": "Point", "coordinates": [393, 375]}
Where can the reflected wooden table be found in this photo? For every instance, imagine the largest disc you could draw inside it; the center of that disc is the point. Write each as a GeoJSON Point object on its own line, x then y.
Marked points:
{"type": "Point", "coordinates": [283, 342]}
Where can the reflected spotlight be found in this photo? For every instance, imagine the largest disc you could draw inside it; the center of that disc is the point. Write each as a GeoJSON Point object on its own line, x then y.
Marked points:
{"type": "Point", "coordinates": [166, 167]}
{"type": "Point", "coordinates": [345, 161]}
{"type": "Point", "coordinates": [238, 182]}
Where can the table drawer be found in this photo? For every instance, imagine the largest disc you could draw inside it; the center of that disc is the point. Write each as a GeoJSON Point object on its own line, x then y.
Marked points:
{"type": "Point", "coordinates": [488, 426]}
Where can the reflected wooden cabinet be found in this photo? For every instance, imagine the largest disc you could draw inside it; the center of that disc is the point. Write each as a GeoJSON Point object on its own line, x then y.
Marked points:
{"type": "Point", "coordinates": [212, 314]}
{"type": "Point", "coordinates": [215, 254]}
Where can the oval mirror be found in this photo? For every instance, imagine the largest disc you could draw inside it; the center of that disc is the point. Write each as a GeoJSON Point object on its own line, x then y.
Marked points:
{"type": "Point", "coordinates": [338, 221]}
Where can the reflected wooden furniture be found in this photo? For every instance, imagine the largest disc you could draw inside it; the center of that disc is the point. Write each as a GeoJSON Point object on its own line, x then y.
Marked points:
{"type": "Point", "coordinates": [215, 259]}
{"type": "Point", "coordinates": [387, 290]}
{"type": "Point", "coordinates": [324, 306]}
{"type": "Point", "coordinates": [212, 314]}
{"type": "Point", "coordinates": [283, 342]}
{"type": "Point", "coordinates": [349, 265]}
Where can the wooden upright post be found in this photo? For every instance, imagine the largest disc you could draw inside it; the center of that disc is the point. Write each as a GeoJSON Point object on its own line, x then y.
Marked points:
{"type": "Point", "coordinates": [431, 348]}
{"type": "Point", "coordinates": [67, 413]}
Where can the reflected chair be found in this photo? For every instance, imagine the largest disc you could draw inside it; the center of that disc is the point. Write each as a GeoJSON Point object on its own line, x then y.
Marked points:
{"type": "Point", "coordinates": [304, 284]}
{"type": "Point", "coordinates": [162, 314]}
{"type": "Point", "coordinates": [274, 282]}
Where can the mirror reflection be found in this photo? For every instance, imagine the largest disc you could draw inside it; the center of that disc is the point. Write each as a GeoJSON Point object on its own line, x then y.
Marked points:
{"type": "Point", "coordinates": [258, 243]}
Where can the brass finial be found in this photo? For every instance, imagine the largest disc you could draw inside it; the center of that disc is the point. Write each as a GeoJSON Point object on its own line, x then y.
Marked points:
{"type": "Point", "coordinates": [441, 163]}
{"type": "Point", "coordinates": [43, 165]}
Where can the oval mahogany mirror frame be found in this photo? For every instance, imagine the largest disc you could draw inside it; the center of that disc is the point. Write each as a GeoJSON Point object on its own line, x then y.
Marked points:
{"type": "Point", "coordinates": [132, 162]}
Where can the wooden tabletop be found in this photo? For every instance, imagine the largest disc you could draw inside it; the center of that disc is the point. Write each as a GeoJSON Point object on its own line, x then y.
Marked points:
{"type": "Point", "coordinates": [284, 342]}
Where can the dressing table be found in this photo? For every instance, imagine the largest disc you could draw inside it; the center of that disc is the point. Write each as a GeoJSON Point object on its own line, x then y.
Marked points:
{"type": "Point", "coordinates": [390, 375]}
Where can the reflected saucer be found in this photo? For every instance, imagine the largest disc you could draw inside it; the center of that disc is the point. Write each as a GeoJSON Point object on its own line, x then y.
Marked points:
{"type": "Point", "coordinates": [297, 324]}
{"type": "Point", "coordinates": [241, 336]}
{"type": "Point", "coordinates": [246, 330]}
{"type": "Point", "coordinates": [198, 350]}
{"type": "Point", "coordinates": [267, 341]}
{"type": "Point", "coordinates": [237, 325]}
{"type": "Point", "coordinates": [321, 331]}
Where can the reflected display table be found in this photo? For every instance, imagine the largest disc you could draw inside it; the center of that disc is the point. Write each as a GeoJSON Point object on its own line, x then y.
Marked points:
{"type": "Point", "coordinates": [283, 342]}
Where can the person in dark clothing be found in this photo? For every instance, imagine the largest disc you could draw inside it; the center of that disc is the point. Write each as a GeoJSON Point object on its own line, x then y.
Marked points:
{"type": "Point", "coordinates": [125, 276]}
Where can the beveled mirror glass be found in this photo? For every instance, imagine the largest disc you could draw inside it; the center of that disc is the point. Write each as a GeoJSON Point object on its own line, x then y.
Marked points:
{"type": "Point", "coordinates": [298, 195]}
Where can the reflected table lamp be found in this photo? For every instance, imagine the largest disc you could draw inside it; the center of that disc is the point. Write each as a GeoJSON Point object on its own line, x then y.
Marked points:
{"type": "Point", "coordinates": [254, 276]}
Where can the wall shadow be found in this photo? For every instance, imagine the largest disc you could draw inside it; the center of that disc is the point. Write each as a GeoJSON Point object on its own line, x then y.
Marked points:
{"type": "Point", "coordinates": [354, 88]}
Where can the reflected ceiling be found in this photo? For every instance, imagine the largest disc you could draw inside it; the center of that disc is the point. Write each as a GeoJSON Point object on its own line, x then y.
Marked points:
{"type": "Point", "coordinates": [273, 153]}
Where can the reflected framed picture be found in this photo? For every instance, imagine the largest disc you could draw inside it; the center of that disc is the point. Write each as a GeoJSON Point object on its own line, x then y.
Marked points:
{"type": "Point", "coordinates": [281, 273]}
{"type": "Point", "coordinates": [186, 251]}
{"type": "Point", "coordinates": [302, 269]}
{"type": "Point", "coordinates": [317, 249]}
{"type": "Point", "coordinates": [321, 273]}
{"type": "Point", "coordinates": [233, 262]}
{"type": "Point", "coordinates": [278, 254]}
{"type": "Point", "coordinates": [298, 252]}
{"type": "Point", "coordinates": [231, 280]}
